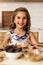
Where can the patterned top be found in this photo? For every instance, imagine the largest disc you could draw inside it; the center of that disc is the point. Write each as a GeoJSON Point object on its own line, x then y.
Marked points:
{"type": "Point", "coordinates": [15, 39]}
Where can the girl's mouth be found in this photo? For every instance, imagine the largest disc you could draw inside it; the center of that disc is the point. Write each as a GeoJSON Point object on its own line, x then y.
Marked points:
{"type": "Point", "coordinates": [21, 24]}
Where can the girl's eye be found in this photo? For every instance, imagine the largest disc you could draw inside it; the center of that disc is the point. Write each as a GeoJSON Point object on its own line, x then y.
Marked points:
{"type": "Point", "coordinates": [25, 18]}
{"type": "Point", "coordinates": [18, 17]}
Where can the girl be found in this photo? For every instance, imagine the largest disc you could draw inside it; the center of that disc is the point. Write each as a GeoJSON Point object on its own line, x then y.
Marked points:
{"type": "Point", "coordinates": [20, 29]}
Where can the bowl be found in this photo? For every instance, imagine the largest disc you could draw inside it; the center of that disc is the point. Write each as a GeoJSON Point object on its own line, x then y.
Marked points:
{"type": "Point", "coordinates": [11, 55]}
{"type": "Point", "coordinates": [12, 52]}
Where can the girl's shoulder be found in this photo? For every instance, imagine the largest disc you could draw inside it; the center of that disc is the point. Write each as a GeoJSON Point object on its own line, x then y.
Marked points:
{"type": "Point", "coordinates": [31, 34]}
{"type": "Point", "coordinates": [10, 32]}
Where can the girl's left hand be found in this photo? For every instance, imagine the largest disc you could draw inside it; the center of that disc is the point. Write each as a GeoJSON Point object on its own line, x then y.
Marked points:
{"type": "Point", "coordinates": [34, 46]}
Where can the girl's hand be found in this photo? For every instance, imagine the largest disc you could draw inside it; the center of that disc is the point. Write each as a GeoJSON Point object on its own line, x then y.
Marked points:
{"type": "Point", "coordinates": [34, 46]}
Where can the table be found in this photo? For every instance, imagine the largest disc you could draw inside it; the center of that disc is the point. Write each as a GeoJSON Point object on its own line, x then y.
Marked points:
{"type": "Point", "coordinates": [21, 61]}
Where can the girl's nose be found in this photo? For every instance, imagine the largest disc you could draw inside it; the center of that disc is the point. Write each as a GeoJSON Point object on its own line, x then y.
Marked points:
{"type": "Point", "coordinates": [21, 20]}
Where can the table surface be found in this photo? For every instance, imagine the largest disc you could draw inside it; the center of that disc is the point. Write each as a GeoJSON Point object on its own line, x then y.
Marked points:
{"type": "Point", "coordinates": [21, 61]}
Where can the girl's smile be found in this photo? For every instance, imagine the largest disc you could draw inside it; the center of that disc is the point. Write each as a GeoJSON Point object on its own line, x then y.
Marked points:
{"type": "Point", "coordinates": [20, 19]}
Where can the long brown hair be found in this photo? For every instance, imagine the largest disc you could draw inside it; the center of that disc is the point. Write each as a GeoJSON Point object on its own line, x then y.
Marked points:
{"type": "Point", "coordinates": [27, 26]}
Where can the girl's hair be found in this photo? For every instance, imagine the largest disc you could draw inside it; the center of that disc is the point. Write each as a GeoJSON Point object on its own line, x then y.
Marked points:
{"type": "Point", "coordinates": [27, 26]}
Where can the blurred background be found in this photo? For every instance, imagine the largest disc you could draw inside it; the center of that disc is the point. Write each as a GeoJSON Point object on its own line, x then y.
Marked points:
{"type": "Point", "coordinates": [21, 0]}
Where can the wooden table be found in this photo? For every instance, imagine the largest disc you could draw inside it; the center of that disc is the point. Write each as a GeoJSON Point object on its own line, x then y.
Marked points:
{"type": "Point", "coordinates": [21, 61]}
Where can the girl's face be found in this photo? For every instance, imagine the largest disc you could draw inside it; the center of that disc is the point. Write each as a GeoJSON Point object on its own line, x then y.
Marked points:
{"type": "Point", "coordinates": [20, 19]}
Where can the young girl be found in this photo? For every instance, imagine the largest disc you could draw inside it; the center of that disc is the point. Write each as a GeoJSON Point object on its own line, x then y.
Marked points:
{"type": "Point", "coordinates": [19, 33]}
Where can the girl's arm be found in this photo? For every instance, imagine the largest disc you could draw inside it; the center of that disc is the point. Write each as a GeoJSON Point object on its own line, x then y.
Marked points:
{"type": "Point", "coordinates": [6, 40]}
{"type": "Point", "coordinates": [33, 40]}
